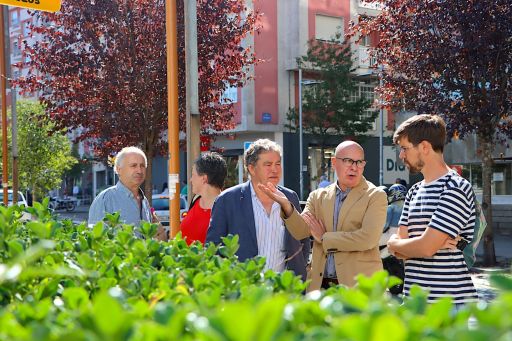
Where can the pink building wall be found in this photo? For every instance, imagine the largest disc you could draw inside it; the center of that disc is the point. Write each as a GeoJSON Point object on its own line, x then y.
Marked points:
{"type": "Point", "coordinates": [335, 8]}
{"type": "Point", "coordinates": [265, 73]}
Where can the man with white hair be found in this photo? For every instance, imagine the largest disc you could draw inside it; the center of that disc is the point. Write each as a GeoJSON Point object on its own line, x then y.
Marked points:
{"type": "Point", "coordinates": [126, 197]}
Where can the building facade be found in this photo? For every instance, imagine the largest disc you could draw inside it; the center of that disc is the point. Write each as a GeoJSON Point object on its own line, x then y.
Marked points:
{"type": "Point", "coordinates": [262, 105]}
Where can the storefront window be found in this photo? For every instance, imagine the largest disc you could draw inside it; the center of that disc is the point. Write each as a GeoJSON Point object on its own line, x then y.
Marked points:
{"type": "Point", "coordinates": [319, 168]}
{"type": "Point", "coordinates": [501, 178]}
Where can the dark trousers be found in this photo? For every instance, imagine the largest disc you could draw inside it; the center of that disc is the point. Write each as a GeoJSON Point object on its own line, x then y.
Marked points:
{"type": "Point", "coordinates": [329, 282]}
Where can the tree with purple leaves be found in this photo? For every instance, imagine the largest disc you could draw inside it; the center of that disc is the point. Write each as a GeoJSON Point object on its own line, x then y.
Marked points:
{"type": "Point", "coordinates": [100, 69]}
{"type": "Point", "coordinates": [453, 58]}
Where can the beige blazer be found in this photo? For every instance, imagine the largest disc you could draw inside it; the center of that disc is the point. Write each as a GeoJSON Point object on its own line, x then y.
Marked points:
{"type": "Point", "coordinates": [355, 243]}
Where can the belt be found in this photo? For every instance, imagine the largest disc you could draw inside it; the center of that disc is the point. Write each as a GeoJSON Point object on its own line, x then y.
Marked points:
{"type": "Point", "coordinates": [328, 282]}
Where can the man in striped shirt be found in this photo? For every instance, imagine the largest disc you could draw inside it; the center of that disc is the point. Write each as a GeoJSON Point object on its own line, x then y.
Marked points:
{"type": "Point", "coordinates": [438, 211]}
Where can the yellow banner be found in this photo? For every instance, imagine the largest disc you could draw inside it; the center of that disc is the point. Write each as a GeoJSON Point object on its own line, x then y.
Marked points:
{"type": "Point", "coordinates": [41, 5]}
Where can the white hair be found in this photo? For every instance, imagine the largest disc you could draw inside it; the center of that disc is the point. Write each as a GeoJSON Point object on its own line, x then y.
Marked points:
{"type": "Point", "coordinates": [128, 150]}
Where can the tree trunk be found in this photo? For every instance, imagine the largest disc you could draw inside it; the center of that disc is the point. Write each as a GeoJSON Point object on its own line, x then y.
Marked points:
{"type": "Point", "coordinates": [486, 147]}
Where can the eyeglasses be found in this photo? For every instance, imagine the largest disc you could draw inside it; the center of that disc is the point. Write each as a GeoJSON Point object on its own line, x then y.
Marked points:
{"type": "Point", "coordinates": [405, 149]}
{"type": "Point", "coordinates": [349, 162]}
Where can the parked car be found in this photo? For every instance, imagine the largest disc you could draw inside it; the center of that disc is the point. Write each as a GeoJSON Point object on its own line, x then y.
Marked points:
{"type": "Point", "coordinates": [21, 198]}
{"type": "Point", "coordinates": [161, 206]}
{"type": "Point", "coordinates": [21, 201]}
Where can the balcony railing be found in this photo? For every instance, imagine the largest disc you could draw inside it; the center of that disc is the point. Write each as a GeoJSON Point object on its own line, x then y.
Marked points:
{"type": "Point", "coordinates": [365, 60]}
{"type": "Point", "coordinates": [370, 5]}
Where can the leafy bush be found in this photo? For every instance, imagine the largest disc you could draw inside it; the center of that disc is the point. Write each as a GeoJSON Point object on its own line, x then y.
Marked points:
{"type": "Point", "coordinates": [60, 281]}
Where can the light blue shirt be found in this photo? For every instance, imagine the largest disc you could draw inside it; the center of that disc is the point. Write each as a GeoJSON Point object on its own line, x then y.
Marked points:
{"type": "Point", "coordinates": [393, 214]}
{"type": "Point", "coordinates": [269, 233]}
{"type": "Point", "coordinates": [330, 267]}
{"type": "Point", "coordinates": [120, 199]}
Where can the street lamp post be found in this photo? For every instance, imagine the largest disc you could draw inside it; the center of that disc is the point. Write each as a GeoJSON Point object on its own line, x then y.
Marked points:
{"type": "Point", "coordinates": [381, 132]}
{"type": "Point", "coordinates": [301, 151]}
{"type": "Point", "coordinates": [173, 119]}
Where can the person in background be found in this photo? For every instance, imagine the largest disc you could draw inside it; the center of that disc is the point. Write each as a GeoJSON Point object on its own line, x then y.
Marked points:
{"type": "Point", "coordinates": [400, 181]}
{"type": "Point", "coordinates": [184, 189]}
{"type": "Point", "coordinates": [126, 197]}
{"type": "Point", "coordinates": [393, 265]}
{"type": "Point", "coordinates": [165, 188]}
{"type": "Point", "coordinates": [323, 182]}
{"type": "Point", "coordinates": [208, 174]}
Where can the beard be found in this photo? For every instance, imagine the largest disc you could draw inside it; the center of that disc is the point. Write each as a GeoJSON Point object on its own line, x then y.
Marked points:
{"type": "Point", "coordinates": [415, 168]}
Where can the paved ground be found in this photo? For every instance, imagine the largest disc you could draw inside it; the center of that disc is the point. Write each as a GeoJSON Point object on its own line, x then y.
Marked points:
{"type": "Point", "coordinates": [78, 215]}
{"type": "Point", "coordinates": [480, 275]}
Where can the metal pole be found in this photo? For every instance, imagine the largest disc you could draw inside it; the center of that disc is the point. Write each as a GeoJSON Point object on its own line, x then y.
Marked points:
{"type": "Point", "coordinates": [3, 85]}
{"type": "Point", "coordinates": [192, 89]}
{"type": "Point", "coordinates": [14, 117]}
{"type": "Point", "coordinates": [14, 133]}
{"type": "Point", "coordinates": [173, 114]}
{"type": "Point", "coordinates": [381, 132]}
{"type": "Point", "coordinates": [301, 151]}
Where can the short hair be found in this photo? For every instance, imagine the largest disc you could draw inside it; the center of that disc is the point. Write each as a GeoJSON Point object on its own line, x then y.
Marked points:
{"type": "Point", "coordinates": [430, 128]}
{"type": "Point", "coordinates": [252, 153]}
{"type": "Point", "coordinates": [213, 165]}
{"type": "Point", "coordinates": [128, 150]}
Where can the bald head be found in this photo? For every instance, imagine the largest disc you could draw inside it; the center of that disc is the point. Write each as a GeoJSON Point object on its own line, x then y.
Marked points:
{"type": "Point", "coordinates": [348, 161]}
{"type": "Point", "coordinates": [347, 146]}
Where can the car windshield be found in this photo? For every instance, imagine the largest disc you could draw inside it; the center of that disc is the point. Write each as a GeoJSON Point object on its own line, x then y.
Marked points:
{"type": "Point", "coordinates": [162, 204]}
{"type": "Point", "coordinates": [8, 195]}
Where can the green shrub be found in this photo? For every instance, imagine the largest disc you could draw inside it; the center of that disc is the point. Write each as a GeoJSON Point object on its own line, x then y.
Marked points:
{"type": "Point", "coordinates": [60, 281]}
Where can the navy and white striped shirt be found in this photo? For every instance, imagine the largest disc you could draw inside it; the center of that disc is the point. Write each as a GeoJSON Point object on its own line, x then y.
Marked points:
{"type": "Point", "coordinates": [447, 205]}
{"type": "Point", "coordinates": [269, 233]}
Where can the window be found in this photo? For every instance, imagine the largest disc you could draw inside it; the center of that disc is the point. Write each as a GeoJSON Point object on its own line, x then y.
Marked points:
{"type": "Point", "coordinates": [230, 95]}
{"type": "Point", "coordinates": [326, 27]}
{"type": "Point", "coordinates": [366, 41]}
{"type": "Point", "coordinates": [370, 5]}
{"type": "Point", "coordinates": [15, 18]}
{"type": "Point", "coordinates": [365, 91]}
{"type": "Point", "coordinates": [16, 48]}
{"type": "Point", "coordinates": [26, 28]}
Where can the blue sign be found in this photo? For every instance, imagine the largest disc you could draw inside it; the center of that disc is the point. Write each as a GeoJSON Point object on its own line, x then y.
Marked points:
{"type": "Point", "coordinates": [266, 117]}
{"type": "Point", "coordinates": [247, 145]}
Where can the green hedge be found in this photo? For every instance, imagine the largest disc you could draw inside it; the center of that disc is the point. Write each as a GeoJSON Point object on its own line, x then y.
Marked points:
{"type": "Point", "coordinates": [60, 281]}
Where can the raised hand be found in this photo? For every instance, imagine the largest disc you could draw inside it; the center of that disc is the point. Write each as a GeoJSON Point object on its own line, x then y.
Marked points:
{"type": "Point", "coordinates": [273, 193]}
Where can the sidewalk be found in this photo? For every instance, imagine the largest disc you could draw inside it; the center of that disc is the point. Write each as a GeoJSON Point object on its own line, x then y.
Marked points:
{"type": "Point", "coordinates": [79, 215]}
{"type": "Point", "coordinates": [502, 247]}
{"type": "Point", "coordinates": [480, 274]}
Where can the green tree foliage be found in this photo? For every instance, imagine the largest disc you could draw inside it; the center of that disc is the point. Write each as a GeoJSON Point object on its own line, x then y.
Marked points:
{"type": "Point", "coordinates": [452, 58]}
{"type": "Point", "coordinates": [44, 154]}
{"type": "Point", "coordinates": [326, 102]}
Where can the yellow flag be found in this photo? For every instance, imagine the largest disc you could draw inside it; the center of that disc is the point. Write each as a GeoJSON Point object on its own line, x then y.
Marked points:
{"type": "Point", "coordinates": [41, 5]}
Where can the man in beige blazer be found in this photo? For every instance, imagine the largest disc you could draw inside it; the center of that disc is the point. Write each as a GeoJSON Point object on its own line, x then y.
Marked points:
{"type": "Point", "coordinates": [341, 253]}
